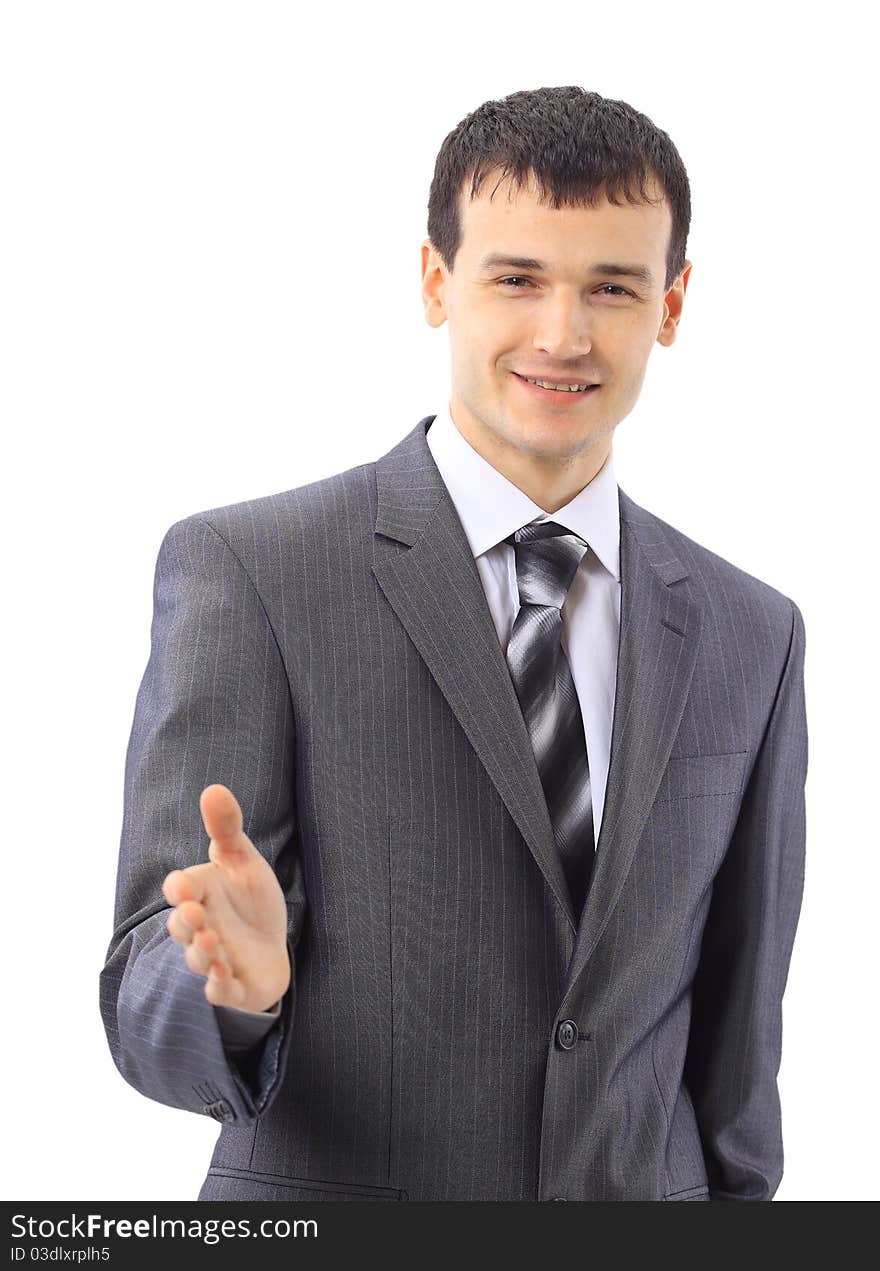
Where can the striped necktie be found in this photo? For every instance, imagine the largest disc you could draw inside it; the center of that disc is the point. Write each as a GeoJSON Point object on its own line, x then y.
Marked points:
{"type": "Point", "coordinates": [547, 557]}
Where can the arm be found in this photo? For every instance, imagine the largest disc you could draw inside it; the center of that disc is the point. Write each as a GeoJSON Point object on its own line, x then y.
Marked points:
{"type": "Point", "coordinates": [214, 705]}
{"type": "Point", "coordinates": [735, 1042]}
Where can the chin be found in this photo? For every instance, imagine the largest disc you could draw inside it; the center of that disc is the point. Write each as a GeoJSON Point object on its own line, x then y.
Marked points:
{"type": "Point", "coordinates": [549, 443]}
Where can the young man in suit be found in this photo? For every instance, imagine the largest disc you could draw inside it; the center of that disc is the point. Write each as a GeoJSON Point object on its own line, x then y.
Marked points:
{"type": "Point", "coordinates": [503, 776]}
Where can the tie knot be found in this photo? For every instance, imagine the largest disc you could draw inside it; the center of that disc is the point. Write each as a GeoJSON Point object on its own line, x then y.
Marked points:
{"type": "Point", "coordinates": [547, 557]}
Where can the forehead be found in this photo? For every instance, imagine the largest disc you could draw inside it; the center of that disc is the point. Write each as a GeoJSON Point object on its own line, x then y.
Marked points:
{"type": "Point", "coordinates": [504, 219]}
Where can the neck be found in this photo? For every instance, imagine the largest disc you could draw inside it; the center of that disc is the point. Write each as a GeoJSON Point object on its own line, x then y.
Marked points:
{"type": "Point", "coordinates": [550, 480]}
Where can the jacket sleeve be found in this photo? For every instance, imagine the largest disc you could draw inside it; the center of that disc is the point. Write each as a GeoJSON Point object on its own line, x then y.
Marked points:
{"type": "Point", "coordinates": [735, 1042]}
{"type": "Point", "coordinates": [241, 1031]}
{"type": "Point", "coordinates": [214, 705]}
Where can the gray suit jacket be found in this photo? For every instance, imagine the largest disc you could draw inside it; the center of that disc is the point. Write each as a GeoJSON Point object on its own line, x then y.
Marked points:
{"type": "Point", "coordinates": [453, 1032]}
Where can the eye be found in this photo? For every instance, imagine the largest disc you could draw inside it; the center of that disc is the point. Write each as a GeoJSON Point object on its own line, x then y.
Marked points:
{"type": "Point", "coordinates": [513, 280]}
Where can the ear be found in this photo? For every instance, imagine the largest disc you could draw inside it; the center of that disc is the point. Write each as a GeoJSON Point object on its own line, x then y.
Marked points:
{"type": "Point", "coordinates": [434, 276]}
{"type": "Point", "coordinates": [673, 303]}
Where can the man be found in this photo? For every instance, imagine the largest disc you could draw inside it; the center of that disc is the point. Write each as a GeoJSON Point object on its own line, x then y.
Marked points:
{"type": "Point", "coordinates": [503, 776]}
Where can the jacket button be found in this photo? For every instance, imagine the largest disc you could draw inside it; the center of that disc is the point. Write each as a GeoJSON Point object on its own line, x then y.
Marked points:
{"type": "Point", "coordinates": [567, 1034]}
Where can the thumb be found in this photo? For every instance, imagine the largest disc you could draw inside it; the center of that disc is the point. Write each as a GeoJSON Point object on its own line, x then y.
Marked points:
{"type": "Point", "coordinates": [223, 821]}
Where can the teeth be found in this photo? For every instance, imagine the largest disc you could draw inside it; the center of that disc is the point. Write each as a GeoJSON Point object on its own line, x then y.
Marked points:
{"type": "Point", "coordinates": [560, 388]}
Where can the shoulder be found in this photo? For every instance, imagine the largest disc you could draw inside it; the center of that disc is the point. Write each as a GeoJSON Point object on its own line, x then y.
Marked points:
{"type": "Point", "coordinates": [317, 511]}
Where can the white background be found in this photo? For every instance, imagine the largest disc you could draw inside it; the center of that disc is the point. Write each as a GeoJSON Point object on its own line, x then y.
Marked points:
{"type": "Point", "coordinates": [210, 228]}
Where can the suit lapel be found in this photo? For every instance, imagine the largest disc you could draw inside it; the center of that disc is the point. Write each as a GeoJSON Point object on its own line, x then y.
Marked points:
{"type": "Point", "coordinates": [424, 565]}
{"type": "Point", "coordinates": [659, 637]}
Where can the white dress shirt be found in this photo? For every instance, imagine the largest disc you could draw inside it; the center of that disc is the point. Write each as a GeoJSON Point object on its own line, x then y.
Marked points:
{"type": "Point", "coordinates": [490, 507]}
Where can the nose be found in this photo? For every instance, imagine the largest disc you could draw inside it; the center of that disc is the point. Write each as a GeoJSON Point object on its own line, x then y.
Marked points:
{"type": "Point", "coordinates": [563, 330]}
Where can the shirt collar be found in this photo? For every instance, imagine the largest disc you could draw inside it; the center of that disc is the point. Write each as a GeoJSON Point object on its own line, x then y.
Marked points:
{"type": "Point", "coordinates": [490, 507]}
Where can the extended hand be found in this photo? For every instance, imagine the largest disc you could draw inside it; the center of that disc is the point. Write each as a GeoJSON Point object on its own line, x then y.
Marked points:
{"type": "Point", "coordinates": [230, 914]}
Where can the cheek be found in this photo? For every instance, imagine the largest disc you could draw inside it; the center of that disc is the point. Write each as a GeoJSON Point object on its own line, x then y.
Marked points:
{"type": "Point", "coordinates": [629, 349]}
{"type": "Point", "coordinates": [629, 335]}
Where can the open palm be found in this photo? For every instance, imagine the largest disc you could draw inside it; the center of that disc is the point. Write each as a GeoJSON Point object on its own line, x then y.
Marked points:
{"type": "Point", "coordinates": [230, 914]}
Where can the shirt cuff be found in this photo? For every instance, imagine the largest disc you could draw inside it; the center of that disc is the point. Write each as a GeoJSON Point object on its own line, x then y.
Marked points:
{"type": "Point", "coordinates": [242, 1030]}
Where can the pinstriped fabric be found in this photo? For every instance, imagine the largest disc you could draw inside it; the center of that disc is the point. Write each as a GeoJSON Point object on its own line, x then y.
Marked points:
{"type": "Point", "coordinates": [547, 557]}
{"type": "Point", "coordinates": [328, 654]}
{"type": "Point", "coordinates": [213, 705]}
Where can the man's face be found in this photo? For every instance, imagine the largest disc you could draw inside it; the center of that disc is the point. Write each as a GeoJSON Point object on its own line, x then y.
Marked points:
{"type": "Point", "coordinates": [568, 317]}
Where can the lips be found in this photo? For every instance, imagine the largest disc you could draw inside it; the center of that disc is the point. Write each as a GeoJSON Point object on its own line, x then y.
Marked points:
{"type": "Point", "coordinates": [553, 379]}
{"type": "Point", "coordinates": [555, 398]}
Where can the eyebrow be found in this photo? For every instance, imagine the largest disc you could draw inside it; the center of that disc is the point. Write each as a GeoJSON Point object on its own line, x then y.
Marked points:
{"type": "Point", "coordinates": [639, 272]}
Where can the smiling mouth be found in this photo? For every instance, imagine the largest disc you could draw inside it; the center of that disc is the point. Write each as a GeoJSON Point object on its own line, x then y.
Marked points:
{"type": "Point", "coordinates": [556, 389]}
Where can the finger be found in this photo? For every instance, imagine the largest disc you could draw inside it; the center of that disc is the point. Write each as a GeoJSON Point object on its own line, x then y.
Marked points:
{"type": "Point", "coordinates": [187, 919]}
{"type": "Point", "coordinates": [200, 957]}
{"type": "Point", "coordinates": [222, 988]}
{"type": "Point", "coordinates": [208, 941]}
{"type": "Point", "coordinates": [193, 914]}
{"type": "Point", "coordinates": [179, 930]}
{"type": "Point", "coordinates": [185, 884]}
{"type": "Point", "coordinates": [222, 818]}
{"type": "Point", "coordinates": [205, 948]}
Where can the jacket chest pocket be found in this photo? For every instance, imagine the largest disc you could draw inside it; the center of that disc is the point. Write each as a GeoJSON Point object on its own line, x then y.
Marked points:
{"type": "Point", "coordinates": [702, 777]}
{"type": "Point", "coordinates": [687, 830]}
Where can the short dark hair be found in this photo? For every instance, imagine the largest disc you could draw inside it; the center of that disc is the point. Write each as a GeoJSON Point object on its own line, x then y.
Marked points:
{"type": "Point", "coordinates": [579, 146]}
